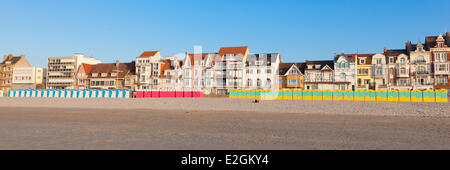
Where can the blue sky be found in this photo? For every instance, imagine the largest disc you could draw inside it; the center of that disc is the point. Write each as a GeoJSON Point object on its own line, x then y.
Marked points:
{"type": "Point", "coordinates": [113, 30]}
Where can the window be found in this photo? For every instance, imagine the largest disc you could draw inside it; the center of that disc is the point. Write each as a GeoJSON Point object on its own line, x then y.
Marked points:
{"type": "Point", "coordinates": [362, 61]}
{"type": "Point", "coordinates": [268, 82]}
{"type": "Point", "coordinates": [391, 59]}
{"type": "Point", "coordinates": [293, 82]}
{"type": "Point", "coordinates": [402, 60]}
{"type": "Point", "coordinates": [104, 74]}
{"type": "Point", "coordinates": [155, 74]}
{"type": "Point", "coordinates": [269, 71]}
{"type": "Point", "coordinates": [113, 74]}
{"type": "Point", "coordinates": [249, 83]}
{"type": "Point", "coordinates": [94, 74]}
{"type": "Point", "coordinates": [155, 81]}
{"type": "Point", "coordinates": [403, 71]}
{"type": "Point", "coordinates": [258, 71]}
{"type": "Point", "coordinates": [442, 67]}
{"type": "Point", "coordinates": [378, 61]}
{"type": "Point", "coordinates": [258, 82]}
{"type": "Point", "coordinates": [363, 71]}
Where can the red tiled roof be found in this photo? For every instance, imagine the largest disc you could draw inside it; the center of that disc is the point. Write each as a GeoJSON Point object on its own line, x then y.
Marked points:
{"type": "Point", "coordinates": [87, 68]}
{"type": "Point", "coordinates": [125, 69]}
{"type": "Point", "coordinates": [233, 50]}
{"type": "Point", "coordinates": [148, 54]}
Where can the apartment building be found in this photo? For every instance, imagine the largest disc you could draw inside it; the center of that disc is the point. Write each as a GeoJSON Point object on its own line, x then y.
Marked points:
{"type": "Point", "coordinates": [379, 72]}
{"type": "Point", "coordinates": [170, 78]}
{"type": "Point", "coordinates": [148, 70]}
{"type": "Point", "coordinates": [112, 76]}
{"type": "Point", "coordinates": [319, 75]}
{"type": "Point", "coordinates": [62, 70]}
{"type": "Point", "coordinates": [345, 71]}
{"type": "Point", "coordinates": [261, 71]}
{"type": "Point", "coordinates": [29, 78]}
{"type": "Point", "coordinates": [439, 47]}
{"type": "Point", "coordinates": [229, 68]}
{"type": "Point", "coordinates": [364, 78]}
{"type": "Point", "coordinates": [420, 66]}
{"type": "Point", "coordinates": [291, 75]}
{"type": "Point", "coordinates": [7, 70]}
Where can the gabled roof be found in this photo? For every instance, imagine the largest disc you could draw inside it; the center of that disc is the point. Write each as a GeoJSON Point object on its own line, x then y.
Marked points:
{"type": "Point", "coordinates": [167, 65]}
{"type": "Point", "coordinates": [12, 59]}
{"type": "Point", "coordinates": [233, 50]}
{"type": "Point", "coordinates": [322, 63]}
{"type": "Point", "coordinates": [125, 69]}
{"type": "Point", "coordinates": [201, 56]}
{"type": "Point", "coordinates": [146, 54]}
{"type": "Point", "coordinates": [350, 57]}
{"type": "Point", "coordinates": [285, 67]}
{"type": "Point", "coordinates": [87, 68]}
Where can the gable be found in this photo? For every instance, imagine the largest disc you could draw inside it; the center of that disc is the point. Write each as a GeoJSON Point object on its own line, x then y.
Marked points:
{"type": "Point", "coordinates": [293, 67]}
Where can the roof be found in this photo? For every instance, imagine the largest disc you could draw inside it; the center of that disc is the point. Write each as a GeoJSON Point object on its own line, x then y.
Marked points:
{"type": "Point", "coordinates": [201, 56]}
{"type": "Point", "coordinates": [12, 59]}
{"type": "Point", "coordinates": [233, 50]}
{"type": "Point", "coordinates": [350, 57]}
{"type": "Point", "coordinates": [148, 54]}
{"type": "Point", "coordinates": [284, 67]}
{"type": "Point", "coordinates": [165, 66]}
{"type": "Point", "coordinates": [125, 69]}
{"type": "Point", "coordinates": [395, 52]}
{"type": "Point", "coordinates": [87, 68]}
{"type": "Point", "coordinates": [252, 58]}
{"type": "Point", "coordinates": [322, 63]}
{"type": "Point", "coordinates": [368, 56]}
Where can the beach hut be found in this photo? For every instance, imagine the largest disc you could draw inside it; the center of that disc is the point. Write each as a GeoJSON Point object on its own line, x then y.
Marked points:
{"type": "Point", "coordinates": [266, 94]}
{"type": "Point", "coordinates": [180, 94]}
{"type": "Point", "coordinates": [287, 94]}
{"type": "Point", "coordinates": [307, 95]}
{"type": "Point", "coordinates": [297, 94]}
{"type": "Point", "coordinates": [416, 96]}
{"type": "Point", "coordinates": [359, 95]}
{"type": "Point", "coordinates": [382, 95]}
{"type": "Point", "coordinates": [429, 96]}
{"type": "Point", "coordinates": [338, 95]}
{"type": "Point", "coordinates": [251, 94]}
{"type": "Point", "coordinates": [404, 96]}
{"type": "Point", "coordinates": [259, 93]}
{"type": "Point", "coordinates": [327, 95]}
{"type": "Point", "coordinates": [279, 94]}
{"type": "Point", "coordinates": [349, 95]}
{"type": "Point", "coordinates": [442, 95]}
{"type": "Point", "coordinates": [370, 95]}
{"type": "Point", "coordinates": [188, 93]}
{"type": "Point", "coordinates": [317, 94]}
{"type": "Point", "coordinates": [393, 96]}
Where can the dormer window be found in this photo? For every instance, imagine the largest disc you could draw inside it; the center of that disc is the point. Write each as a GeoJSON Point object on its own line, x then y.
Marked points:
{"type": "Point", "coordinates": [94, 74]}
{"type": "Point", "coordinates": [362, 61]}
{"type": "Point", "coordinates": [310, 66]}
{"type": "Point", "coordinates": [113, 74]}
{"type": "Point", "coordinates": [318, 67]}
{"type": "Point", "coordinates": [402, 60]}
{"type": "Point", "coordinates": [391, 59]}
{"type": "Point", "coordinates": [104, 74]}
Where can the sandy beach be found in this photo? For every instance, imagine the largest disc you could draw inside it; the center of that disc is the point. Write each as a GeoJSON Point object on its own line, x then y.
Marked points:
{"type": "Point", "coordinates": [220, 123]}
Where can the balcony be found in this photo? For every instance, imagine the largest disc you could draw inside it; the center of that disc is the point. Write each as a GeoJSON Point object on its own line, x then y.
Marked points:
{"type": "Point", "coordinates": [422, 72]}
{"type": "Point", "coordinates": [52, 69]}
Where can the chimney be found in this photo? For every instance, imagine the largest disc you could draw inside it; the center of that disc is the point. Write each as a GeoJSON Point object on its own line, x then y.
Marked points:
{"type": "Point", "coordinates": [117, 64]}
